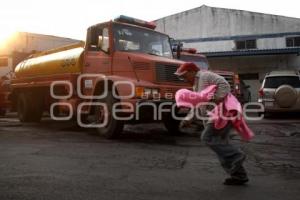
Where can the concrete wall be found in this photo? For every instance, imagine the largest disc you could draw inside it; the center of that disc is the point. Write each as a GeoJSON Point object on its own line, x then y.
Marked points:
{"type": "Point", "coordinates": [271, 43]}
{"type": "Point", "coordinates": [216, 29]}
{"type": "Point", "coordinates": [229, 45]}
{"type": "Point", "coordinates": [226, 45]}
{"type": "Point", "coordinates": [207, 22]}
{"type": "Point", "coordinates": [294, 61]}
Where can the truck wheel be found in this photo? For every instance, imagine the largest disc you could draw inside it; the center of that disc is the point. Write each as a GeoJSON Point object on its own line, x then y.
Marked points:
{"type": "Point", "coordinates": [30, 108]}
{"type": "Point", "coordinates": [38, 108]}
{"type": "Point", "coordinates": [24, 108]}
{"type": "Point", "coordinates": [2, 112]}
{"type": "Point", "coordinates": [114, 127]}
{"type": "Point", "coordinates": [172, 125]}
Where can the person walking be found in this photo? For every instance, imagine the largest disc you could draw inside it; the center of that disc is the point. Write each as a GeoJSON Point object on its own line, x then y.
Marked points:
{"type": "Point", "coordinates": [230, 157]}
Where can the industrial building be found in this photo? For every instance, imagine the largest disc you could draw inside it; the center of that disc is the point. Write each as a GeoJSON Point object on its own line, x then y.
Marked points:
{"type": "Point", "coordinates": [21, 44]}
{"type": "Point", "coordinates": [248, 43]}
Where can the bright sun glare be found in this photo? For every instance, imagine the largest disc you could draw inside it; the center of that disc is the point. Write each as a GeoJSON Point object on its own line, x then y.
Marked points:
{"type": "Point", "coordinates": [4, 37]}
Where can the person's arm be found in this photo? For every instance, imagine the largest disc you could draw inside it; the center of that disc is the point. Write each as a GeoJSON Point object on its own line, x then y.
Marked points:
{"type": "Point", "coordinates": [223, 87]}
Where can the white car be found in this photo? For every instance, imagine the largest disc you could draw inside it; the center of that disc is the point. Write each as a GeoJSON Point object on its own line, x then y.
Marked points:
{"type": "Point", "coordinates": [280, 92]}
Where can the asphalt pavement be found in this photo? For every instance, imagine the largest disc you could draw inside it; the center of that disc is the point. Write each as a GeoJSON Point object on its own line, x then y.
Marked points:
{"type": "Point", "coordinates": [57, 160]}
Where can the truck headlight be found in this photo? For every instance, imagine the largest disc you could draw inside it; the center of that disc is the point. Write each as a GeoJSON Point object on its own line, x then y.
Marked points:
{"type": "Point", "coordinates": [147, 91]}
{"type": "Point", "coordinates": [142, 91]}
{"type": "Point", "coordinates": [155, 91]}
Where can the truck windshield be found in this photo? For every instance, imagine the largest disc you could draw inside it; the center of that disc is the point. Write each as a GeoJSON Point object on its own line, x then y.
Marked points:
{"type": "Point", "coordinates": [134, 39]}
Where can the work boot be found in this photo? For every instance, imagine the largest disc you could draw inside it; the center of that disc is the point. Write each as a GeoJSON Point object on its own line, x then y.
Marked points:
{"type": "Point", "coordinates": [237, 178]}
{"type": "Point", "coordinates": [235, 181]}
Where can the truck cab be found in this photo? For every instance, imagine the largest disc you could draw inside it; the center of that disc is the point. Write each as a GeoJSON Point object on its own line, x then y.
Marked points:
{"type": "Point", "coordinates": [130, 48]}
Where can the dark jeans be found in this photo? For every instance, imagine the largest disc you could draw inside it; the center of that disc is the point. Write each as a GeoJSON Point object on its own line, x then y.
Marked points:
{"type": "Point", "coordinates": [231, 157]}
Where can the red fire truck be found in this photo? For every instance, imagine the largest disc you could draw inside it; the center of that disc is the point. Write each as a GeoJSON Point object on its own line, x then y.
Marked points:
{"type": "Point", "coordinates": [125, 59]}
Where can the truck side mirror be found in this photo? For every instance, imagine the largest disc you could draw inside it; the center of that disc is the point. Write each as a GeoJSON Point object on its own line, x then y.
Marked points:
{"type": "Point", "coordinates": [103, 44]}
{"type": "Point", "coordinates": [93, 45]}
{"type": "Point", "coordinates": [178, 50]}
{"type": "Point", "coordinates": [93, 38]}
{"type": "Point", "coordinates": [100, 42]}
{"type": "Point", "coordinates": [103, 41]}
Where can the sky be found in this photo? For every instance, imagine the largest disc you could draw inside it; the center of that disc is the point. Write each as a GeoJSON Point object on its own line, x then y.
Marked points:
{"type": "Point", "coordinates": [71, 18]}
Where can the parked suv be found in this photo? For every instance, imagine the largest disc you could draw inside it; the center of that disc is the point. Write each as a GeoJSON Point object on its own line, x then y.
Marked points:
{"type": "Point", "coordinates": [280, 92]}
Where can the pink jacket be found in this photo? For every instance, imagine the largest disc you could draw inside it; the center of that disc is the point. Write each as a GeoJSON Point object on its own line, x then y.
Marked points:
{"type": "Point", "coordinates": [229, 110]}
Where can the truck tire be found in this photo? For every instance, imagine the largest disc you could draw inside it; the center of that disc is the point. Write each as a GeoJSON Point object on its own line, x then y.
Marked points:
{"type": "Point", "coordinates": [23, 107]}
{"type": "Point", "coordinates": [286, 96]}
{"type": "Point", "coordinates": [172, 125]}
{"type": "Point", "coordinates": [2, 112]}
{"type": "Point", "coordinates": [30, 107]}
{"type": "Point", "coordinates": [114, 127]}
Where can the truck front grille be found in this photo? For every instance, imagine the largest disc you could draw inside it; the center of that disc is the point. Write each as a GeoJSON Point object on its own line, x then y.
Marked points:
{"type": "Point", "coordinates": [165, 73]}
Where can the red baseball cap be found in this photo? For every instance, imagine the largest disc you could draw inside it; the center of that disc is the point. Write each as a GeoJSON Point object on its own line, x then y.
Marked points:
{"type": "Point", "coordinates": [185, 67]}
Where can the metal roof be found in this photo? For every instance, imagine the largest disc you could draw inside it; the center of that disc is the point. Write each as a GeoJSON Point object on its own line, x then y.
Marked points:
{"type": "Point", "coordinates": [253, 52]}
